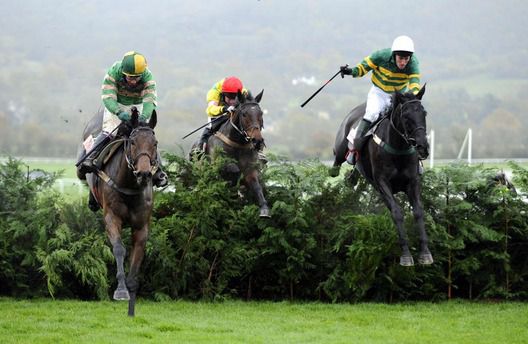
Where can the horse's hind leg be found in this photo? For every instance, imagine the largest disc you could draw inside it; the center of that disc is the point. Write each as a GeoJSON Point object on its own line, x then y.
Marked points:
{"type": "Point", "coordinates": [113, 227]}
{"type": "Point", "coordinates": [139, 239]}
{"type": "Point", "coordinates": [252, 181]}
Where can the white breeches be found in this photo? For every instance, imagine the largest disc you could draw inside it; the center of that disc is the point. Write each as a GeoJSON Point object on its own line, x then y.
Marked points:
{"type": "Point", "coordinates": [111, 121]}
{"type": "Point", "coordinates": [377, 102]}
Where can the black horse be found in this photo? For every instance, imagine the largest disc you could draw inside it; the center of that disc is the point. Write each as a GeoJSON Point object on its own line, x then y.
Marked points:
{"type": "Point", "coordinates": [240, 138]}
{"type": "Point", "coordinates": [123, 188]}
{"type": "Point", "coordinates": [388, 158]}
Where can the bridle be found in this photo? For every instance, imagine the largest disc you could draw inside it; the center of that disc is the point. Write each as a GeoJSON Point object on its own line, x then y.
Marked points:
{"type": "Point", "coordinates": [131, 161]}
{"type": "Point", "coordinates": [409, 138]}
{"type": "Point", "coordinates": [239, 128]}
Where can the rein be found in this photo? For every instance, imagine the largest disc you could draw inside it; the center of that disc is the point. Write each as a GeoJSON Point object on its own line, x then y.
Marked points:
{"type": "Point", "coordinates": [239, 129]}
{"type": "Point", "coordinates": [131, 161]}
{"type": "Point", "coordinates": [405, 135]}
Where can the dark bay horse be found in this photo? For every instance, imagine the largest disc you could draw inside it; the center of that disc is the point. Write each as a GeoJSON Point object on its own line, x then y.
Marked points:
{"type": "Point", "coordinates": [389, 159]}
{"type": "Point", "coordinates": [124, 190]}
{"type": "Point", "coordinates": [240, 138]}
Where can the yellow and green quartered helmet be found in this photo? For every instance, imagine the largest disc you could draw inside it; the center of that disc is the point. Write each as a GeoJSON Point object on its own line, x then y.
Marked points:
{"type": "Point", "coordinates": [133, 63]}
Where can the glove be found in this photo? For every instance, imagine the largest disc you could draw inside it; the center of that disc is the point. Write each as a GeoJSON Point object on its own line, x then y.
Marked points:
{"type": "Point", "coordinates": [345, 71]}
{"type": "Point", "coordinates": [228, 109]}
{"type": "Point", "coordinates": [123, 115]}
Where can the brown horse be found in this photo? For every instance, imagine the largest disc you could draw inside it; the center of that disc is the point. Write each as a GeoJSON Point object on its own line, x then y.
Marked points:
{"type": "Point", "coordinates": [123, 188]}
{"type": "Point", "coordinates": [240, 138]}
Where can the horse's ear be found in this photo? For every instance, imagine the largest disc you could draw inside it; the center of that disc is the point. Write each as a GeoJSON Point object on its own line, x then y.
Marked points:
{"type": "Point", "coordinates": [241, 97]}
{"type": "Point", "coordinates": [134, 120]}
{"type": "Point", "coordinates": [259, 96]}
{"type": "Point", "coordinates": [153, 119]}
{"type": "Point", "coordinates": [420, 93]}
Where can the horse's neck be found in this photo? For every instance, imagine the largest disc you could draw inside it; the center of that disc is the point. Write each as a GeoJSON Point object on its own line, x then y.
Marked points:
{"type": "Point", "coordinates": [229, 130]}
{"type": "Point", "coordinates": [117, 168]}
{"type": "Point", "coordinates": [393, 131]}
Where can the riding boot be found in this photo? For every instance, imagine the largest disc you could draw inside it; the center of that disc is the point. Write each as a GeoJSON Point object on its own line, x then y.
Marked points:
{"type": "Point", "coordinates": [87, 166]}
{"type": "Point", "coordinates": [362, 128]}
{"type": "Point", "coordinates": [204, 138]}
{"type": "Point", "coordinates": [160, 178]}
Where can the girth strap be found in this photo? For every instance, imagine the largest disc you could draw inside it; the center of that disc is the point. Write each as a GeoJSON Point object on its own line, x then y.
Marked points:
{"type": "Point", "coordinates": [114, 186]}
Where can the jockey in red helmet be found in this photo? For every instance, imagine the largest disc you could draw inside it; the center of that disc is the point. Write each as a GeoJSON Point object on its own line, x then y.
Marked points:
{"type": "Point", "coordinates": [221, 99]}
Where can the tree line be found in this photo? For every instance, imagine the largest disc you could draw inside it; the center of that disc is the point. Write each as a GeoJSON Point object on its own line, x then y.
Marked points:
{"type": "Point", "coordinates": [325, 240]}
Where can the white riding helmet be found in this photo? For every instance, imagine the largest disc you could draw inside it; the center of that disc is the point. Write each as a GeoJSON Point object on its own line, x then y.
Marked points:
{"type": "Point", "coordinates": [403, 43]}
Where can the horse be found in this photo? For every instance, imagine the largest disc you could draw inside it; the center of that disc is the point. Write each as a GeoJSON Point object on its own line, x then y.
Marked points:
{"type": "Point", "coordinates": [124, 190]}
{"type": "Point", "coordinates": [240, 138]}
{"type": "Point", "coordinates": [389, 155]}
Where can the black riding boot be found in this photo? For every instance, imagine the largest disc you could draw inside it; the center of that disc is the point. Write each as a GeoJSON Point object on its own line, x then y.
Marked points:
{"type": "Point", "coordinates": [203, 139]}
{"type": "Point", "coordinates": [362, 128]}
{"type": "Point", "coordinates": [87, 165]}
{"type": "Point", "coordinates": [160, 178]}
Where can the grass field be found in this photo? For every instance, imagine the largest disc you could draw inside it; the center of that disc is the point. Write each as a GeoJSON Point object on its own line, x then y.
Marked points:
{"type": "Point", "coordinates": [48, 321]}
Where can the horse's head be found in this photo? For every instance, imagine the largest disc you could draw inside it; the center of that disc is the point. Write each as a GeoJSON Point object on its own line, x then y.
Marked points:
{"type": "Point", "coordinates": [142, 148]}
{"type": "Point", "coordinates": [412, 117]}
{"type": "Point", "coordinates": [248, 118]}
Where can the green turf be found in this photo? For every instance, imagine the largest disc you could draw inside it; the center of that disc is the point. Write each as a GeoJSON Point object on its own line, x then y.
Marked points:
{"type": "Point", "coordinates": [47, 321]}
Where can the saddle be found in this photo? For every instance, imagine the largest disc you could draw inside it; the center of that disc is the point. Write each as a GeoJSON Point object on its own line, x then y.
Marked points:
{"type": "Point", "coordinates": [360, 142]}
{"type": "Point", "coordinates": [107, 152]}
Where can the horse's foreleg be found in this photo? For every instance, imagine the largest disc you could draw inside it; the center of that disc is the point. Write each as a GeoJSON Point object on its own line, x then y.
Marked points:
{"type": "Point", "coordinates": [139, 238]}
{"type": "Point", "coordinates": [413, 194]}
{"type": "Point", "coordinates": [406, 258]}
{"type": "Point", "coordinates": [252, 181]}
{"type": "Point", "coordinates": [113, 228]}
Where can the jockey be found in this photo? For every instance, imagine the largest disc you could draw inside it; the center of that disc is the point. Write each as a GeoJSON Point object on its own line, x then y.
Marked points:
{"type": "Point", "coordinates": [221, 99]}
{"type": "Point", "coordinates": [394, 69]}
{"type": "Point", "coordinates": [128, 83]}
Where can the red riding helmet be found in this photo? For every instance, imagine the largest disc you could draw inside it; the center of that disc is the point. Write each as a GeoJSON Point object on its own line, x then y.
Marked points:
{"type": "Point", "coordinates": [232, 85]}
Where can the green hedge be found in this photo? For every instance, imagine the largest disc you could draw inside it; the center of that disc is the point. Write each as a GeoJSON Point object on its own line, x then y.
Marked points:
{"type": "Point", "coordinates": [325, 240]}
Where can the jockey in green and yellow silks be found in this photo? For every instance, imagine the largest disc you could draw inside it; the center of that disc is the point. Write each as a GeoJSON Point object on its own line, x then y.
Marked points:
{"type": "Point", "coordinates": [393, 70]}
{"type": "Point", "coordinates": [128, 83]}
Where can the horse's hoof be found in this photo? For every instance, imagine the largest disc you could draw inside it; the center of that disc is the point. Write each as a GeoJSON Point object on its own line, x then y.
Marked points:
{"type": "Point", "coordinates": [121, 295]}
{"type": "Point", "coordinates": [265, 213]}
{"type": "Point", "coordinates": [425, 259]}
{"type": "Point", "coordinates": [406, 261]}
{"type": "Point", "coordinates": [334, 171]}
